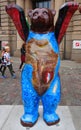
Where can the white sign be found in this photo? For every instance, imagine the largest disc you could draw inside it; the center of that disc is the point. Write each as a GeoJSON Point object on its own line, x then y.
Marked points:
{"type": "Point", "coordinates": [4, 43]}
{"type": "Point", "coordinates": [77, 44]}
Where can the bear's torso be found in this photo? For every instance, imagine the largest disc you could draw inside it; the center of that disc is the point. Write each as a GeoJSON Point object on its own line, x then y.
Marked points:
{"type": "Point", "coordinates": [42, 53]}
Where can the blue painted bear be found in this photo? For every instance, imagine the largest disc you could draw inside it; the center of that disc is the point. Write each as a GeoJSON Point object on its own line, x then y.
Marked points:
{"type": "Point", "coordinates": [40, 76]}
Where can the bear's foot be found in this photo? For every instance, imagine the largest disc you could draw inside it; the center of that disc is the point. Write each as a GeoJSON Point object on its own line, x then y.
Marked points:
{"type": "Point", "coordinates": [29, 124]}
{"type": "Point", "coordinates": [53, 123]}
{"type": "Point", "coordinates": [28, 120]}
{"type": "Point", "coordinates": [51, 119]}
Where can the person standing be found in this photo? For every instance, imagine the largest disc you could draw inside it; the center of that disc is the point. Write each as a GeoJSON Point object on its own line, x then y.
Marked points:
{"type": "Point", "coordinates": [3, 62]}
{"type": "Point", "coordinates": [8, 63]}
{"type": "Point", "coordinates": [23, 52]}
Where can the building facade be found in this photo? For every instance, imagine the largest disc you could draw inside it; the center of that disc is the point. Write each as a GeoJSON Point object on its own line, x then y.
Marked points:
{"type": "Point", "coordinates": [9, 35]}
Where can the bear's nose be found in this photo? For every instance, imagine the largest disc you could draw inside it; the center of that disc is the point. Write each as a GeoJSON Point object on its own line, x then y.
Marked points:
{"type": "Point", "coordinates": [40, 15]}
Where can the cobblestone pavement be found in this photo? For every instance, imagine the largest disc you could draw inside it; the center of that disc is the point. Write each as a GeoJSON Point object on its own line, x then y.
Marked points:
{"type": "Point", "coordinates": [70, 74]}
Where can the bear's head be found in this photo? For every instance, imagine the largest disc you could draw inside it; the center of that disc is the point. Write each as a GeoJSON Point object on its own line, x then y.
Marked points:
{"type": "Point", "coordinates": [42, 20]}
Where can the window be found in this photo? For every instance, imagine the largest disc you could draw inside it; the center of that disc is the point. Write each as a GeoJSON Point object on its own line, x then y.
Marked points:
{"type": "Point", "coordinates": [41, 3]}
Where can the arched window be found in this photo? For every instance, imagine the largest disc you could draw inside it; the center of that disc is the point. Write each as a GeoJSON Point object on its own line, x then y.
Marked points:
{"type": "Point", "coordinates": [41, 3]}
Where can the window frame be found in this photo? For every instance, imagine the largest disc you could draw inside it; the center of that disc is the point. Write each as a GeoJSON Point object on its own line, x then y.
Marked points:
{"type": "Point", "coordinates": [41, 3]}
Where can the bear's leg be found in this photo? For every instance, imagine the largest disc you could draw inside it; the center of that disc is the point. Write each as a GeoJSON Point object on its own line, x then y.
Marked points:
{"type": "Point", "coordinates": [30, 98]}
{"type": "Point", "coordinates": [50, 102]}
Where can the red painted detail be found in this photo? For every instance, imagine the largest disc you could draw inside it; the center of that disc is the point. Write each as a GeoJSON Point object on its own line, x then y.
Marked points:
{"type": "Point", "coordinates": [77, 44]}
{"type": "Point", "coordinates": [71, 10]}
{"type": "Point", "coordinates": [14, 14]}
{"type": "Point", "coordinates": [47, 76]}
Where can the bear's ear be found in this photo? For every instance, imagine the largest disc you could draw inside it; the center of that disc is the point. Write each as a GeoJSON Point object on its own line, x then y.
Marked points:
{"type": "Point", "coordinates": [30, 13]}
{"type": "Point", "coordinates": [53, 12]}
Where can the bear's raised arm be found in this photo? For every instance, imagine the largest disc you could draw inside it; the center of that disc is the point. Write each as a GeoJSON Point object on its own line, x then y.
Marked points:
{"type": "Point", "coordinates": [65, 14]}
{"type": "Point", "coordinates": [17, 15]}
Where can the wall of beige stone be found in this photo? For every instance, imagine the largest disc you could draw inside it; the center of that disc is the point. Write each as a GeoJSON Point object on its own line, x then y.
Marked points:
{"type": "Point", "coordinates": [7, 29]}
{"type": "Point", "coordinates": [76, 35]}
{"type": "Point", "coordinates": [73, 33]}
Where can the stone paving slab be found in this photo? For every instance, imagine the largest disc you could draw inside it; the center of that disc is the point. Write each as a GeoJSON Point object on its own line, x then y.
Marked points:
{"type": "Point", "coordinates": [5, 111]}
{"type": "Point", "coordinates": [10, 116]}
{"type": "Point", "coordinates": [76, 116]}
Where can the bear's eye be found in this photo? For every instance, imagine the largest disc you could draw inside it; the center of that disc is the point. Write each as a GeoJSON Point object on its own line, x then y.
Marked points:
{"type": "Point", "coordinates": [45, 13]}
{"type": "Point", "coordinates": [35, 14]}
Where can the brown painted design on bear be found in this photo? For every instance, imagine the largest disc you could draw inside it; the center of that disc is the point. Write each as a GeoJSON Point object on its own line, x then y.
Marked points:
{"type": "Point", "coordinates": [41, 56]}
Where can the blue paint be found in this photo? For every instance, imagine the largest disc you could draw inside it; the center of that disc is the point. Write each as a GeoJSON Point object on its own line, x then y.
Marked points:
{"type": "Point", "coordinates": [29, 96]}
{"type": "Point", "coordinates": [51, 98]}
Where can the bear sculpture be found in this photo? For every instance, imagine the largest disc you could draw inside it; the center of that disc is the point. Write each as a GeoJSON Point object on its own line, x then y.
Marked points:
{"type": "Point", "coordinates": [40, 78]}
